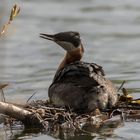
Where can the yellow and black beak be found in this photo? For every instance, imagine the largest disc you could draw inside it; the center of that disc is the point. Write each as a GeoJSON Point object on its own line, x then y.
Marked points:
{"type": "Point", "coordinates": [47, 36]}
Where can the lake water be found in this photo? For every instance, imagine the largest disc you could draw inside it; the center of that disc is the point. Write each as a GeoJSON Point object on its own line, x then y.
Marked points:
{"type": "Point", "coordinates": [110, 31]}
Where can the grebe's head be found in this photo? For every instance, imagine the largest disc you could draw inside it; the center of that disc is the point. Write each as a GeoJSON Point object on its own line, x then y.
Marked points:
{"type": "Point", "coordinates": [67, 40]}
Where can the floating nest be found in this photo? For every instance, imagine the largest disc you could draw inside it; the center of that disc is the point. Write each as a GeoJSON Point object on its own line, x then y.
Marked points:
{"type": "Point", "coordinates": [50, 118]}
{"type": "Point", "coordinates": [58, 121]}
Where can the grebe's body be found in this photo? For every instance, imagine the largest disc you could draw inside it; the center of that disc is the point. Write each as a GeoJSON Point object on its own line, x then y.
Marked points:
{"type": "Point", "coordinates": [79, 85]}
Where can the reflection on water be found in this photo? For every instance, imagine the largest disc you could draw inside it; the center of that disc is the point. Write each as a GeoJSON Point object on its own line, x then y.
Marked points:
{"type": "Point", "coordinates": [109, 29]}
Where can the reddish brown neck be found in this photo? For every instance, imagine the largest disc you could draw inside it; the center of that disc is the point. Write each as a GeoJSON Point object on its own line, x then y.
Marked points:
{"type": "Point", "coordinates": [72, 56]}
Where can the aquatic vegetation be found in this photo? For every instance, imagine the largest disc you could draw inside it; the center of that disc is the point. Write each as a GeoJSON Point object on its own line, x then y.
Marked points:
{"type": "Point", "coordinates": [14, 12]}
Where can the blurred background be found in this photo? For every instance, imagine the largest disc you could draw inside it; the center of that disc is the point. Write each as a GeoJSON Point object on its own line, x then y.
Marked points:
{"type": "Point", "coordinates": [110, 31]}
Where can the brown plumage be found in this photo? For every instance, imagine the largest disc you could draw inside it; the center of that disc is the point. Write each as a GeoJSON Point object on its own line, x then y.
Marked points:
{"type": "Point", "coordinates": [77, 84]}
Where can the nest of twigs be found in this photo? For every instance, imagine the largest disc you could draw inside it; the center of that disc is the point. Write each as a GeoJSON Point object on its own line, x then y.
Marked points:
{"type": "Point", "coordinates": [60, 121]}
{"type": "Point", "coordinates": [64, 120]}
{"type": "Point", "coordinates": [55, 120]}
{"type": "Point", "coordinates": [65, 117]}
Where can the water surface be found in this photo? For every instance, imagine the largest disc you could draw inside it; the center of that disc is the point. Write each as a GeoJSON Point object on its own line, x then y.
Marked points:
{"type": "Point", "coordinates": [110, 31]}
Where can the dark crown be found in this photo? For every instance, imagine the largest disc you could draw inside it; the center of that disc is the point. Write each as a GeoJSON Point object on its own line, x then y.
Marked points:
{"type": "Point", "coordinates": [70, 36]}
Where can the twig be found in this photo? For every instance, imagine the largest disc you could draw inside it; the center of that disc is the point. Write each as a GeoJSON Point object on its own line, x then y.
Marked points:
{"type": "Point", "coordinates": [121, 86]}
{"type": "Point", "coordinates": [2, 93]}
{"type": "Point", "coordinates": [53, 108]}
{"type": "Point", "coordinates": [31, 96]}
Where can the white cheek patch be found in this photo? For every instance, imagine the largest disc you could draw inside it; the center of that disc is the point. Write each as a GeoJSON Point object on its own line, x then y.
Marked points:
{"type": "Point", "coordinates": [66, 45]}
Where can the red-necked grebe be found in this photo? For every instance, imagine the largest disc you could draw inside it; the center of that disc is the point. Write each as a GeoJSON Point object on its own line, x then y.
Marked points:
{"type": "Point", "coordinates": [79, 85]}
